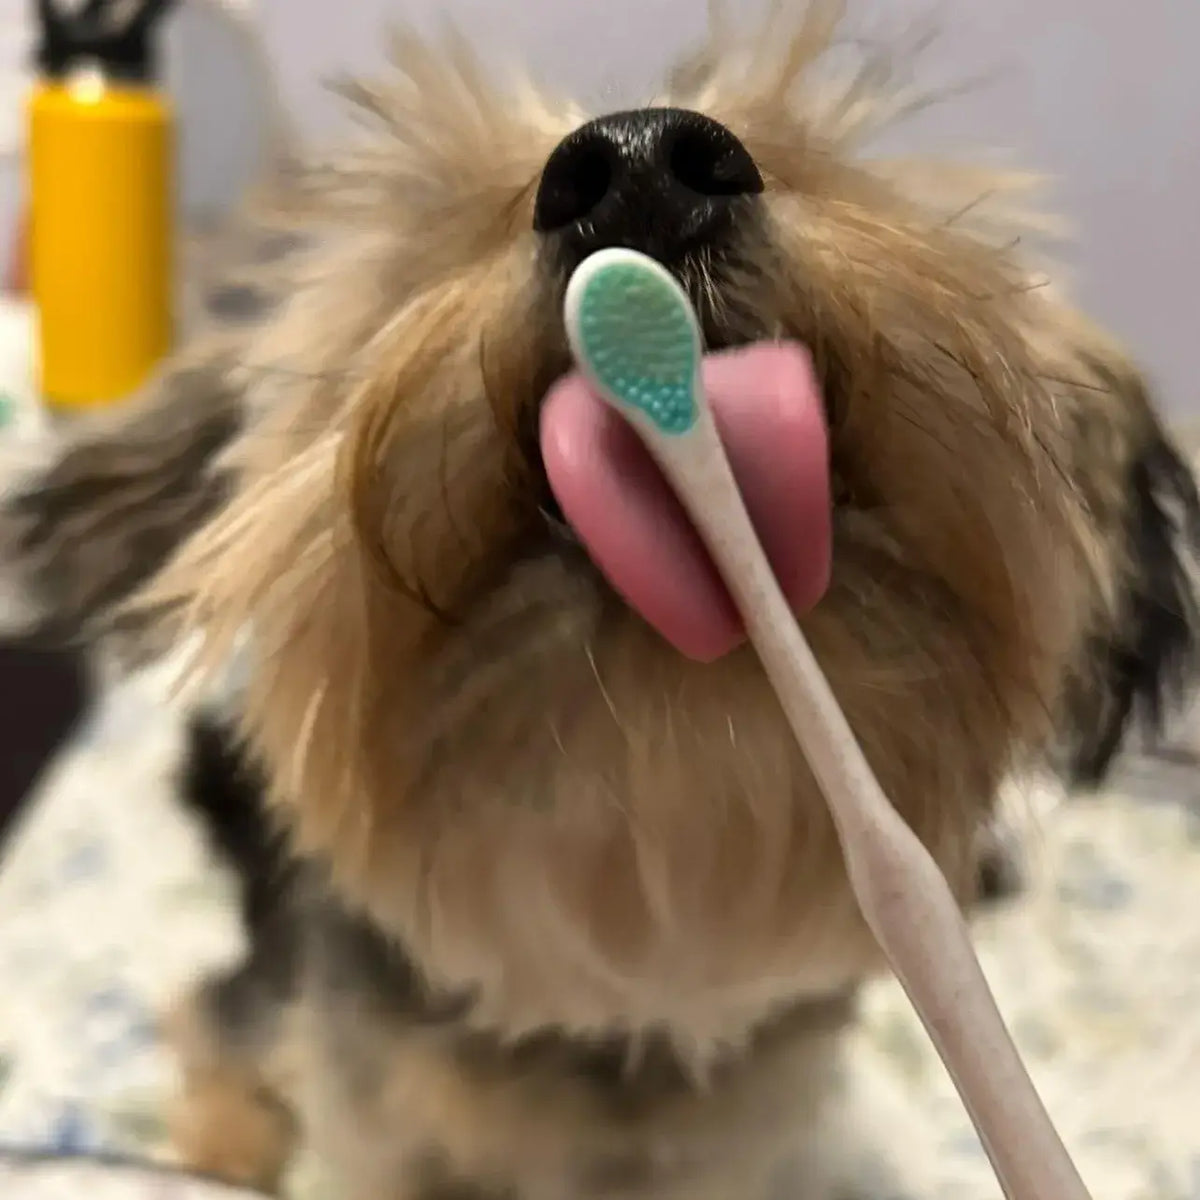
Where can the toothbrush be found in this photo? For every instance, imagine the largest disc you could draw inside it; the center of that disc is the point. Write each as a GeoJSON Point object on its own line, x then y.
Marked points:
{"type": "Point", "coordinates": [636, 339]}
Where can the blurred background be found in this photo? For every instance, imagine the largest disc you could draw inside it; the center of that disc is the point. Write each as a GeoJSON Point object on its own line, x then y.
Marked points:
{"type": "Point", "coordinates": [1103, 95]}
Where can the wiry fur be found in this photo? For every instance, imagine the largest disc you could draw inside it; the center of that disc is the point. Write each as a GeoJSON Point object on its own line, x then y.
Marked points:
{"type": "Point", "coordinates": [92, 511]}
{"type": "Point", "coordinates": [563, 914]}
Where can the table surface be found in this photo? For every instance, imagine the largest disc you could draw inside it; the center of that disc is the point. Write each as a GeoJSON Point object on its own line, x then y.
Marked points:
{"type": "Point", "coordinates": [68, 1180]}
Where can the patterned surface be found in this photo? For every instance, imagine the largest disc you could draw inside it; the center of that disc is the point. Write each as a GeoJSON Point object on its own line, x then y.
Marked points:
{"type": "Point", "coordinates": [108, 905]}
{"type": "Point", "coordinates": [41, 1180]}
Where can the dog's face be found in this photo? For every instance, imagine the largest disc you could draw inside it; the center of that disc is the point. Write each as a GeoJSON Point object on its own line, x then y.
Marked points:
{"type": "Point", "coordinates": [495, 752]}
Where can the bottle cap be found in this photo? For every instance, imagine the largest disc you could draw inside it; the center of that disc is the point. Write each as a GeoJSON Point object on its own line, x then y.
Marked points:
{"type": "Point", "coordinates": [112, 36]}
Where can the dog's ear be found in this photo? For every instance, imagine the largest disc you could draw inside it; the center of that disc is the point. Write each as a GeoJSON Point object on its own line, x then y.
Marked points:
{"type": "Point", "coordinates": [1139, 665]}
{"type": "Point", "coordinates": [86, 526]}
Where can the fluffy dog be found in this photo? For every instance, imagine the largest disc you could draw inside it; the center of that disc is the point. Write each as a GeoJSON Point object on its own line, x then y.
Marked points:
{"type": "Point", "coordinates": [544, 908]}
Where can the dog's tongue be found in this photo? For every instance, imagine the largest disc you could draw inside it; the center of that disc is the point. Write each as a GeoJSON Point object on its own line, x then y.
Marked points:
{"type": "Point", "coordinates": [767, 407]}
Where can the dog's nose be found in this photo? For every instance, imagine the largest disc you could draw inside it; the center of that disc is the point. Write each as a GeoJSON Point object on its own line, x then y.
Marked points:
{"type": "Point", "coordinates": [664, 181]}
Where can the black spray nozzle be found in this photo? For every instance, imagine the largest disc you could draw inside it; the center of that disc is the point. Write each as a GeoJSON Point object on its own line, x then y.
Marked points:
{"type": "Point", "coordinates": [116, 36]}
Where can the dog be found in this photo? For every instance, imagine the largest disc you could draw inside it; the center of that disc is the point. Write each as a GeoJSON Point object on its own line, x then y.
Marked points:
{"type": "Point", "coordinates": [539, 906]}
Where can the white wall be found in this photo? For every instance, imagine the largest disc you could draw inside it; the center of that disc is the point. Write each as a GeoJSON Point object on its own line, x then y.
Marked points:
{"type": "Point", "coordinates": [1104, 94]}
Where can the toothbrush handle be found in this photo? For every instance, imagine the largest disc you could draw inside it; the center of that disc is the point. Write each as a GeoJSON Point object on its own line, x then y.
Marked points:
{"type": "Point", "coordinates": [904, 897]}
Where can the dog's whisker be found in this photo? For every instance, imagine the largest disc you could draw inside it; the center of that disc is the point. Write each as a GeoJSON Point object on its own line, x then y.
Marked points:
{"type": "Point", "coordinates": [608, 700]}
{"type": "Point", "coordinates": [269, 370]}
{"type": "Point", "coordinates": [444, 483]}
{"type": "Point", "coordinates": [955, 217]}
{"type": "Point", "coordinates": [556, 737]}
{"type": "Point", "coordinates": [1018, 290]}
{"type": "Point", "coordinates": [1077, 385]}
{"type": "Point", "coordinates": [304, 737]}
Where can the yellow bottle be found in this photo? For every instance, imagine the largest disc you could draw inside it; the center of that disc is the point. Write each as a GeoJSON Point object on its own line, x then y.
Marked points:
{"type": "Point", "coordinates": [101, 154]}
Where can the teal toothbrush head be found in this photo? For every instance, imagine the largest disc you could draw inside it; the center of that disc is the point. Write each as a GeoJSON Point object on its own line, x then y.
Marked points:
{"type": "Point", "coordinates": [635, 336]}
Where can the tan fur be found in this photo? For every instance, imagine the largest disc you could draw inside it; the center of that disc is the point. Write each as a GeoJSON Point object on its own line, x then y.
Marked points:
{"type": "Point", "coordinates": [504, 768]}
{"type": "Point", "coordinates": [225, 1122]}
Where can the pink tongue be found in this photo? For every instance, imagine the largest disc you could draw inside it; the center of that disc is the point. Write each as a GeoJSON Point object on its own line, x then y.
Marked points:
{"type": "Point", "coordinates": [767, 407]}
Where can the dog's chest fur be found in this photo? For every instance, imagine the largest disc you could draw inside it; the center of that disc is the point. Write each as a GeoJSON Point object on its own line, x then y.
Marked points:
{"type": "Point", "coordinates": [392, 1082]}
{"type": "Point", "coordinates": [410, 1092]}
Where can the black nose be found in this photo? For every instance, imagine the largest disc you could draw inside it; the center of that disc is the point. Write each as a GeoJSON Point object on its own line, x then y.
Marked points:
{"type": "Point", "coordinates": [661, 180]}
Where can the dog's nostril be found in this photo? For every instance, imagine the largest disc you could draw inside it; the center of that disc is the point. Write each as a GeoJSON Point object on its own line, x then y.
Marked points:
{"type": "Point", "coordinates": [665, 181]}
{"type": "Point", "coordinates": [577, 177]}
{"type": "Point", "coordinates": [710, 161]}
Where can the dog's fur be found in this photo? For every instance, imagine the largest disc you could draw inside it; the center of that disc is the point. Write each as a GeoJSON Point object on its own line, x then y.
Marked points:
{"type": "Point", "coordinates": [551, 912]}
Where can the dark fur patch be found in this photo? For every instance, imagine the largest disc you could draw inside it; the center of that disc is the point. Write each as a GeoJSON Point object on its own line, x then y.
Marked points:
{"type": "Point", "coordinates": [433, 1178]}
{"type": "Point", "coordinates": [113, 508]}
{"type": "Point", "coordinates": [1000, 875]}
{"type": "Point", "coordinates": [458, 1190]}
{"type": "Point", "coordinates": [1141, 670]}
{"type": "Point", "coordinates": [237, 302]}
{"type": "Point", "coordinates": [463, 1191]}
{"type": "Point", "coordinates": [442, 1187]}
{"type": "Point", "coordinates": [350, 954]}
{"type": "Point", "coordinates": [220, 786]}
{"type": "Point", "coordinates": [351, 957]}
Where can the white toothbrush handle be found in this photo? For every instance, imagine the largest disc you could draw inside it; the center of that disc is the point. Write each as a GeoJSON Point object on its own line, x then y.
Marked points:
{"type": "Point", "coordinates": [903, 895]}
